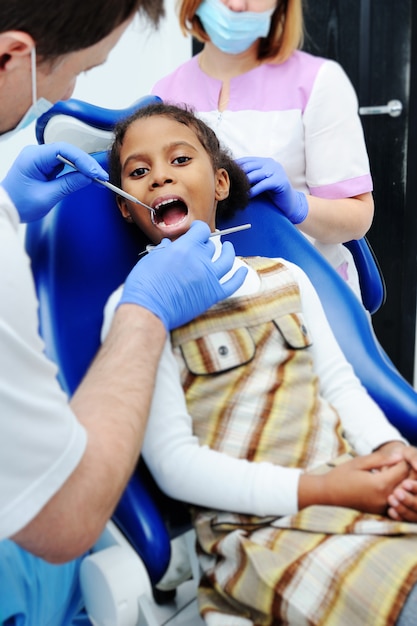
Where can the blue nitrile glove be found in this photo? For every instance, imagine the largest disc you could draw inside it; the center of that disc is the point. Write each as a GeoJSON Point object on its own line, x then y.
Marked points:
{"type": "Point", "coordinates": [177, 280]}
{"type": "Point", "coordinates": [267, 175]}
{"type": "Point", "coordinates": [32, 182]}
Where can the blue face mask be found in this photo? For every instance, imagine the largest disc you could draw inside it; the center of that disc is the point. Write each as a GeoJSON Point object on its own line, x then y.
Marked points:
{"type": "Point", "coordinates": [38, 108]}
{"type": "Point", "coordinates": [233, 32]}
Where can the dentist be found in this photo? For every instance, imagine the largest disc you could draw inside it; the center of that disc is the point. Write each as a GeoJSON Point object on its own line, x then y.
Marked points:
{"type": "Point", "coordinates": [65, 463]}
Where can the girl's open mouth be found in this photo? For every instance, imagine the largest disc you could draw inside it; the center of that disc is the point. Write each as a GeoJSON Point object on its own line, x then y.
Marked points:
{"type": "Point", "coordinates": [169, 212]}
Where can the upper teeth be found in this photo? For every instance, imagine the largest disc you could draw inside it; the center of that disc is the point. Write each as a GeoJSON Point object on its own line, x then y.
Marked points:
{"type": "Point", "coordinates": [164, 203]}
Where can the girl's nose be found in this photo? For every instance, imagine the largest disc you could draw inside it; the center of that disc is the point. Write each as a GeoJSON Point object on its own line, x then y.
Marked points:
{"type": "Point", "coordinates": [160, 179]}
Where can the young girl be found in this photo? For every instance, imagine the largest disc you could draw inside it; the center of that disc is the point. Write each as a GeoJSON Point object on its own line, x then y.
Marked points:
{"type": "Point", "coordinates": [263, 97]}
{"type": "Point", "coordinates": [257, 412]}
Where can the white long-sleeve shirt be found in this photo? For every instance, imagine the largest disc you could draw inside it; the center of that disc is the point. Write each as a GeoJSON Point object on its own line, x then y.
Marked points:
{"type": "Point", "coordinates": [198, 475]}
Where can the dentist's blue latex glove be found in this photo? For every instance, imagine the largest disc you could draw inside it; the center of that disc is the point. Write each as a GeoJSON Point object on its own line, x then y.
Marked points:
{"type": "Point", "coordinates": [177, 280]}
{"type": "Point", "coordinates": [267, 175]}
{"type": "Point", "coordinates": [32, 182]}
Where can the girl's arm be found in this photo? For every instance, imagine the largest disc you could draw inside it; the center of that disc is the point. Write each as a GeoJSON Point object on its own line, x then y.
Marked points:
{"type": "Point", "coordinates": [365, 483]}
{"type": "Point", "coordinates": [196, 474]}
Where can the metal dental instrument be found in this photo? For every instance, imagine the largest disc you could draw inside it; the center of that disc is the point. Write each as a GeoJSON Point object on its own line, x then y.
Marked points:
{"type": "Point", "coordinates": [225, 231]}
{"type": "Point", "coordinates": [110, 186]}
{"type": "Point", "coordinates": [232, 229]}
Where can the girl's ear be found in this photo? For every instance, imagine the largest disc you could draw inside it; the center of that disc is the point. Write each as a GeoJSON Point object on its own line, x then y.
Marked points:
{"type": "Point", "coordinates": [222, 184]}
{"type": "Point", "coordinates": [14, 45]}
{"type": "Point", "coordinates": [123, 208]}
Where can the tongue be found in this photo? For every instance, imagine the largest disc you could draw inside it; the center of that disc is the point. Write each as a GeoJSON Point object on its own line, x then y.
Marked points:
{"type": "Point", "coordinates": [173, 215]}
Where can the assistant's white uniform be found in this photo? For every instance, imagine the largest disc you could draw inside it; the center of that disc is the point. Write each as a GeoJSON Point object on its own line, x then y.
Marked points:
{"type": "Point", "coordinates": [303, 113]}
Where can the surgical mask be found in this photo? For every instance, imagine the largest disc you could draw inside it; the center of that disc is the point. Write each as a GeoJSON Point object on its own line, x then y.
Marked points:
{"type": "Point", "coordinates": [38, 108]}
{"type": "Point", "coordinates": [233, 32]}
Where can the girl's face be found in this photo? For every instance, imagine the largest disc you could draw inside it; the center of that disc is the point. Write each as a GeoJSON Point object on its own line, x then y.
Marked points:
{"type": "Point", "coordinates": [164, 165]}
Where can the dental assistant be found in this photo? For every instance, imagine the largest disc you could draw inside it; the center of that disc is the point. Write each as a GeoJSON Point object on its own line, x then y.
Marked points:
{"type": "Point", "coordinates": [291, 118]}
{"type": "Point", "coordinates": [65, 462]}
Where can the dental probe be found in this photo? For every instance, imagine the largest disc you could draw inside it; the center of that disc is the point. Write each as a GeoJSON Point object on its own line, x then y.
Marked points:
{"type": "Point", "coordinates": [106, 183]}
{"type": "Point", "coordinates": [232, 229]}
{"type": "Point", "coordinates": [225, 231]}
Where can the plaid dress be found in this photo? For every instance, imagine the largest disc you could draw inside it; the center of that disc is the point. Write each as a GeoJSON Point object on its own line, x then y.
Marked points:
{"type": "Point", "coordinates": [252, 392]}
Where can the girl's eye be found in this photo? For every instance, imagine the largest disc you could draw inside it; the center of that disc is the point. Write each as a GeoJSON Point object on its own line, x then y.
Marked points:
{"type": "Point", "coordinates": [181, 160]}
{"type": "Point", "coordinates": [138, 172]}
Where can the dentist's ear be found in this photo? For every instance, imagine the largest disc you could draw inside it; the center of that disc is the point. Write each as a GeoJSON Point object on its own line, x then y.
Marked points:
{"type": "Point", "coordinates": [15, 45]}
{"type": "Point", "coordinates": [123, 208]}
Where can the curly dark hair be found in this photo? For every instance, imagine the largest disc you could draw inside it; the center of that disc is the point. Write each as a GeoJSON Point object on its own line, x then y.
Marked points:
{"type": "Point", "coordinates": [220, 157]}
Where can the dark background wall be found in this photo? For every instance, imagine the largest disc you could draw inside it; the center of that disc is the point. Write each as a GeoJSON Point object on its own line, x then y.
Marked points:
{"type": "Point", "coordinates": [375, 42]}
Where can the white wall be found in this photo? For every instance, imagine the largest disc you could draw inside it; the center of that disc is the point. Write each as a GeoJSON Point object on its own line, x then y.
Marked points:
{"type": "Point", "coordinates": [141, 57]}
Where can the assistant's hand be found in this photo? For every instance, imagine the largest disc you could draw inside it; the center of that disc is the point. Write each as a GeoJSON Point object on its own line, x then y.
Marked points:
{"type": "Point", "coordinates": [267, 175]}
{"type": "Point", "coordinates": [32, 182]}
{"type": "Point", "coordinates": [177, 281]}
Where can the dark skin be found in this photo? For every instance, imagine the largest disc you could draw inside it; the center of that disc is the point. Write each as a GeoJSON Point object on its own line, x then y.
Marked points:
{"type": "Point", "coordinates": [383, 482]}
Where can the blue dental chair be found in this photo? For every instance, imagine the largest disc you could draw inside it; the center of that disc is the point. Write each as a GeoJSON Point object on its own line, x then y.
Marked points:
{"type": "Point", "coordinates": [83, 250]}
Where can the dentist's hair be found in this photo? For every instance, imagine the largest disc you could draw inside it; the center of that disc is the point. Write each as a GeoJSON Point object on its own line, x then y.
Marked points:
{"type": "Point", "coordinates": [238, 196]}
{"type": "Point", "coordinates": [62, 26]}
